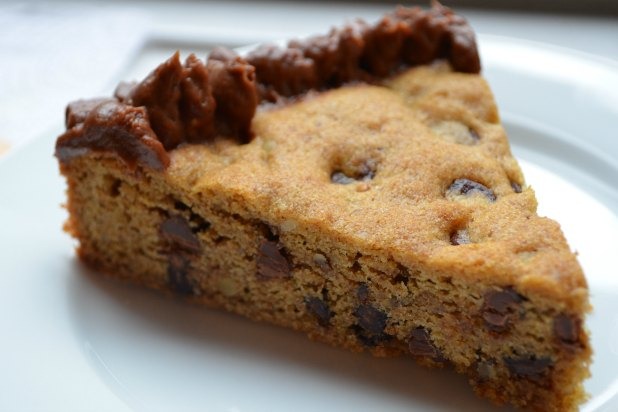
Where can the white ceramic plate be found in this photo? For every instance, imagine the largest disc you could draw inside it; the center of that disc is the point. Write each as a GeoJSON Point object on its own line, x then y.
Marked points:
{"type": "Point", "coordinates": [71, 341]}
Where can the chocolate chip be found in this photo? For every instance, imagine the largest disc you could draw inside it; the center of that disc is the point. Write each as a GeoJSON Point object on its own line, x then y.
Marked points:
{"type": "Point", "coordinates": [362, 293]}
{"type": "Point", "coordinates": [420, 344]}
{"type": "Point", "coordinates": [500, 308]}
{"type": "Point", "coordinates": [178, 205]}
{"type": "Point", "coordinates": [271, 261]}
{"type": "Point", "coordinates": [269, 232]}
{"type": "Point", "coordinates": [341, 178]}
{"type": "Point", "coordinates": [201, 225]}
{"type": "Point", "coordinates": [178, 233]}
{"type": "Point", "coordinates": [566, 329]}
{"type": "Point", "coordinates": [366, 170]}
{"type": "Point", "coordinates": [528, 367]}
{"type": "Point", "coordinates": [371, 319]}
{"type": "Point", "coordinates": [318, 308]}
{"type": "Point", "coordinates": [466, 187]}
{"type": "Point", "coordinates": [460, 237]}
{"type": "Point", "coordinates": [502, 301]}
{"type": "Point", "coordinates": [178, 274]}
{"type": "Point", "coordinates": [369, 339]}
{"type": "Point", "coordinates": [197, 222]}
{"type": "Point", "coordinates": [113, 185]}
{"type": "Point", "coordinates": [516, 187]}
{"type": "Point", "coordinates": [400, 278]}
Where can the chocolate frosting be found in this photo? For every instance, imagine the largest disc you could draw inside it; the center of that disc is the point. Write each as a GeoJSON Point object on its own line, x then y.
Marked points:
{"type": "Point", "coordinates": [361, 52]}
{"type": "Point", "coordinates": [235, 91]}
{"type": "Point", "coordinates": [111, 126]}
{"type": "Point", "coordinates": [197, 101]}
{"type": "Point", "coordinates": [179, 101]}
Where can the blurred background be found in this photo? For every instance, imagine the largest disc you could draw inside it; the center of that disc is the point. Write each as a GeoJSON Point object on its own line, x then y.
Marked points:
{"type": "Point", "coordinates": [54, 52]}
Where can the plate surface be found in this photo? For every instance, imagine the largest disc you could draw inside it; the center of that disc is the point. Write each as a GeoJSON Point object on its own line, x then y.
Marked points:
{"type": "Point", "coordinates": [73, 341]}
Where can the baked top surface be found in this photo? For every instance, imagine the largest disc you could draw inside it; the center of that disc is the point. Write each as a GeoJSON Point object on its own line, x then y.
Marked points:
{"type": "Point", "coordinates": [374, 165]}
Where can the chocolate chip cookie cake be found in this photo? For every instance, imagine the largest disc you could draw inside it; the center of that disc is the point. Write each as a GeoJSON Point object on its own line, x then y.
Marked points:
{"type": "Point", "coordinates": [357, 187]}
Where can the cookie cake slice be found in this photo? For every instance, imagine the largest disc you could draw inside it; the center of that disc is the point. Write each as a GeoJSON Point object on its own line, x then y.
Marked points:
{"type": "Point", "coordinates": [357, 187]}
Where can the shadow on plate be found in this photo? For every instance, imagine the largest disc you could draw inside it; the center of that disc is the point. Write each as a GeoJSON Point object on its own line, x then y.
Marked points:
{"type": "Point", "coordinates": [117, 322]}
